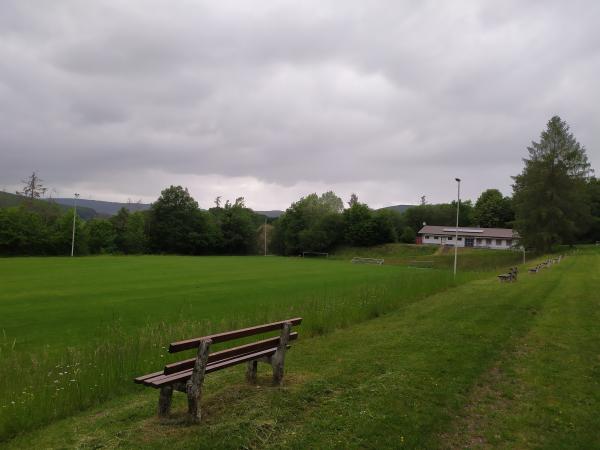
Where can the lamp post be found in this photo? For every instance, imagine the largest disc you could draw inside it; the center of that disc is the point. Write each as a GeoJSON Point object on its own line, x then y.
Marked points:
{"type": "Point", "coordinates": [456, 229]}
{"type": "Point", "coordinates": [76, 196]}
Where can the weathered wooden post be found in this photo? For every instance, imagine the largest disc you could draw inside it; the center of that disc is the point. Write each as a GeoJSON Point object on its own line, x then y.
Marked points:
{"type": "Point", "coordinates": [164, 400]}
{"type": "Point", "coordinates": [251, 370]}
{"type": "Point", "coordinates": [194, 384]}
{"type": "Point", "coordinates": [278, 359]}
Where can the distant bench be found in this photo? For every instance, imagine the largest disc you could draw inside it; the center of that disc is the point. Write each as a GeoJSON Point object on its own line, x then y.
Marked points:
{"type": "Point", "coordinates": [510, 276]}
{"type": "Point", "coordinates": [188, 375]}
{"type": "Point", "coordinates": [537, 268]}
{"type": "Point", "coordinates": [545, 264]}
{"type": "Point", "coordinates": [357, 260]}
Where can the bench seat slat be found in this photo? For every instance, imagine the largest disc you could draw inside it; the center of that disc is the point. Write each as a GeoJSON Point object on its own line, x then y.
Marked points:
{"type": "Point", "coordinates": [179, 346]}
{"type": "Point", "coordinates": [227, 353]}
{"type": "Point", "coordinates": [141, 379]}
{"type": "Point", "coordinates": [183, 376]}
{"type": "Point", "coordinates": [157, 376]}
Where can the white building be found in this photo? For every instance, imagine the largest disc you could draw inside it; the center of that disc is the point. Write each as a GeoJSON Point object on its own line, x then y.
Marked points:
{"type": "Point", "coordinates": [496, 238]}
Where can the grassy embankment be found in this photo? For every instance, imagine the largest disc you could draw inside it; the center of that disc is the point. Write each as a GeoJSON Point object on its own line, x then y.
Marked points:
{"type": "Point", "coordinates": [433, 256]}
{"type": "Point", "coordinates": [485, 364]}
{"type": "Point", "coordinates": [75, 331]}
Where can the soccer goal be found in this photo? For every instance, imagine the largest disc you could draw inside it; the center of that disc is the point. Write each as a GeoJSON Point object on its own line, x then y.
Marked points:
{"type": "Point", "coordinates": [357, 260]}
{"type": "Point", "coordinates": [315, 255]}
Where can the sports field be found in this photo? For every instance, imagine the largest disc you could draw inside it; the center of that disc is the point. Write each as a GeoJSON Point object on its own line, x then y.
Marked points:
{"type": "Point", "coordinates": [60, 301]}
{"type": "Point", "coordinates": [388, 356]}
{"type": "Point", "coordinates": [114, 315]}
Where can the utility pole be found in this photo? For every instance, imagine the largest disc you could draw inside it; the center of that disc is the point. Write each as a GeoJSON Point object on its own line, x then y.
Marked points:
{"type": "Point", "coordinates": [456, 229]}
{"type": "Point", "coordinates": [75, 197]}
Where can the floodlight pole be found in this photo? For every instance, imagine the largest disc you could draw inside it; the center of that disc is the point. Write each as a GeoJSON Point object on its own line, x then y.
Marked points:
{"type": "Point", "coordinates": [74, 214]}
{"type": "Point", "coordinates": [265, 227]}
{"type": "Point", "coordinates": [456, 229]}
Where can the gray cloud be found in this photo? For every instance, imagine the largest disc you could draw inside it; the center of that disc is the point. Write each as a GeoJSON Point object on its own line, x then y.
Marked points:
{"type": "Point", "coordinates": [274, 100]}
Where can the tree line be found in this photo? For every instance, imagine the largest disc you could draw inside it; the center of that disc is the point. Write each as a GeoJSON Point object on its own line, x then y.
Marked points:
{"type": "Point", "coordinates": [175, 224]}
{"type": "Point", "coordinates": [556, 200]}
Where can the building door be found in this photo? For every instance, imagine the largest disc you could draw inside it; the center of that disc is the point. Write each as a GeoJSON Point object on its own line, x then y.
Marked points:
{"type": "Point", "coordinates": [469, 242]}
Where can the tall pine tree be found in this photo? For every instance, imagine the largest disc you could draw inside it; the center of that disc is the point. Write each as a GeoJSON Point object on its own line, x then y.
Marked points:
{"type": "Point", "coordinates": [550, 194]}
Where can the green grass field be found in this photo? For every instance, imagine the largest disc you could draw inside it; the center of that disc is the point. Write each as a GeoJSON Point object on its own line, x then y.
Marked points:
{"type": "Point", "coordinates": [109, 318]}
{"type": "Point", "coordinates": [389, 357]}
{"type": "Point", "coordinates": [62, 301]}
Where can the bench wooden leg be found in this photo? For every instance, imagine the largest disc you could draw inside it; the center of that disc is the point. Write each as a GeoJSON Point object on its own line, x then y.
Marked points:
{"type": "Point", "coordinates": [194, 384]}
{"type": "Point", "coordinates": [251, 370]}
{"type": "Point", "coordinates": [278, 359]}
{"type": "Point", "coordinates": [164, 401]}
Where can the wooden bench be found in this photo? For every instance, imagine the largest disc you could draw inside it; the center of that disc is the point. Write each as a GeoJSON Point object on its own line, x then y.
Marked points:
{"type": "Point", "coordinates": [510, 276]}
{"type": "Point", "coordinates": [187, 376]}
{"type": "Point", "coordinates": [545, 264]}
{"type": "Point", "coordinates": [540, 266]}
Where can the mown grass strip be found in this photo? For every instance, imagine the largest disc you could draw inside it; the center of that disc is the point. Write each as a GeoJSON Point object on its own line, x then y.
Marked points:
{"type": "Point", "coordinates": [544, 392]}
{"type": "Point", "coordinates": [395, 381]}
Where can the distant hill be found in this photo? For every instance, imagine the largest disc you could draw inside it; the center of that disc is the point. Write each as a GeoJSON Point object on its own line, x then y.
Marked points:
{"type": "Point", "coordinates": [273, 214]}
{"type": "Point", "coordinates": [88, 209]}
{"type": "Point", "coordinates": [102, 207]}
{"type": "Point", "coordinates": [8, 200]}
{"type": "Point", "coordinates": [399, 208]}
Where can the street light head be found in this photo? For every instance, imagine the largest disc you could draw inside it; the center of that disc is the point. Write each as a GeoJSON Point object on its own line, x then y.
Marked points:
{"type": "Point", "coordinates": [457, 179]}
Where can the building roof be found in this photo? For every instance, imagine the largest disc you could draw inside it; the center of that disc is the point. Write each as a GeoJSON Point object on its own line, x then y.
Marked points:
{"type": "Point", "coordinates": [499, 233]}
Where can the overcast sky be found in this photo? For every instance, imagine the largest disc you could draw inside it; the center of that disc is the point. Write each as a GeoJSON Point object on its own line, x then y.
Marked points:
{"type": "Point", "coordinates": [273, 100]}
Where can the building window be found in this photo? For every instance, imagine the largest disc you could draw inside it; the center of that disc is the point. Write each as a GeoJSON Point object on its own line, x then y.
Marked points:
{"type": "Point", "coordinates": [436, 237]}
{"type": "Point", "coordinates": [449, 238]}
{"type": "Point", "coordinates": [460, 239]}
{"type": "Point", "coordinates": [479, 240]}
{"type": "Point", "coordinates": [426, 237]}
{"type": "Point", "coordinates": [498, 241]}
{"type": "Point", "coordinates": [488, 241]}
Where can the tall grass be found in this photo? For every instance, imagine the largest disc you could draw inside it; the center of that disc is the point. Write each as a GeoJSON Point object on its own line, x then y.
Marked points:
{"type": "Point", "coordinates": [479, 259]}
{"type": "Point", "coordinates": [41, 386]}
{"type": "Point", "coordinates": [472, 259]}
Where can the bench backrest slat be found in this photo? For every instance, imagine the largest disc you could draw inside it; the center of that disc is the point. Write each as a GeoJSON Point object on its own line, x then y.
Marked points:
{"type": "Point", "coordinates": [230, 335]}
{"type": "Point", "coordinates": [227, 353]}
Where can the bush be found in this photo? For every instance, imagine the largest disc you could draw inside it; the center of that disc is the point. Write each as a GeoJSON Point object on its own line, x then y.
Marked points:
{"type": "Point", "coordinates": [408, 235]}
